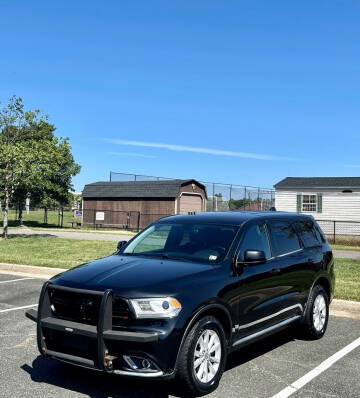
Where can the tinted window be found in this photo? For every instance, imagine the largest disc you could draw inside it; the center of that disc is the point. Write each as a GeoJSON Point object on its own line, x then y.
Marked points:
{"type": "Point", "coordinates": [307, 233]}
{"type": "Point", "coordinates": [154, 241]}
{"type": "Point", "coordinates": [320, 234]}
{"type": "Point", "coordinates": [195, 242]}
{"type": "Point", "coordinates": [255, 239]}
{"type": "Point", "coordinates": [283, 238]}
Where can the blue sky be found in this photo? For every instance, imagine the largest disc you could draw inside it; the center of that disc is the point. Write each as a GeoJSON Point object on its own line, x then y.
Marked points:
{"type": "Point", "coordinates": [246, 92]}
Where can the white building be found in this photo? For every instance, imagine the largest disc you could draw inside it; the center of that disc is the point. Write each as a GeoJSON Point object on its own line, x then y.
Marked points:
{"type": "Point", "coordinates": [325, 198]}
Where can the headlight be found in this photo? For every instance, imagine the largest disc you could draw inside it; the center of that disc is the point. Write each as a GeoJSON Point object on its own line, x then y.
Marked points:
{"type": "Point", "coordinates": [160, 307]}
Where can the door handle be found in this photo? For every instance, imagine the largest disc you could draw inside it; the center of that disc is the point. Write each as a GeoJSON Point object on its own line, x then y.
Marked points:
{"type": "Point", "coordinates": [275, 271]}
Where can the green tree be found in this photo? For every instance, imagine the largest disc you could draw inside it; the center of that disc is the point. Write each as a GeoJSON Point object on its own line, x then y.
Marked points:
{"type": "Point", "coordinates": [235, 204]}
{"type": "Point", "coordinates": [33, 161]}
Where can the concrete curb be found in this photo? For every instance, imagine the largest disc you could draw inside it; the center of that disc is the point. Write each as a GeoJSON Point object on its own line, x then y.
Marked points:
{"type": "Point", "coordinates": [345, 308]}
{"type": "Point", "coordinates": [341, 308]}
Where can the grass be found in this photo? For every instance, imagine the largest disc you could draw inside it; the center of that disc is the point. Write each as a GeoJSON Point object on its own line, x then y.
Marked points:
{"type": "Point", "coordinates": [347, 273]}
{"type": "Point", "coordinates": [67, 253]}
{"type": "Point", "coordinates": [52, 252]}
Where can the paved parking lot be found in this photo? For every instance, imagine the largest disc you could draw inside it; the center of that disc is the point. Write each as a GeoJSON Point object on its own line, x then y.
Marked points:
{"type": "Point", "coordinates": [261, 370]}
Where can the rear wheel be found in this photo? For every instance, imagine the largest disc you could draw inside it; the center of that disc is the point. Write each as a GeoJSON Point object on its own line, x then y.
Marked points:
{"type": "Point", "coordinates": [202, 357]}
{"type": "Point", "coordinates": [316, 317]}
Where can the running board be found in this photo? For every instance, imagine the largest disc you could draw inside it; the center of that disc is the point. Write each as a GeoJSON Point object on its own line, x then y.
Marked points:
{"type": "Point", "coordinates": [267, 330]}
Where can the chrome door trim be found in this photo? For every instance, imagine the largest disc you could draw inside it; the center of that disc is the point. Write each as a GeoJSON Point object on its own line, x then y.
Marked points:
{"type": "Point", "coordinates": [266, 330]}
{"type": "Point", "coordinates": [288, 253]}
{"type": "Point", "coordinates": [247, 325]}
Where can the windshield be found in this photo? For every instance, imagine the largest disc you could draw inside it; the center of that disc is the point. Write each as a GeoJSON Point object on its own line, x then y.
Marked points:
{"type": "Point", "coordinates": [194, 242]}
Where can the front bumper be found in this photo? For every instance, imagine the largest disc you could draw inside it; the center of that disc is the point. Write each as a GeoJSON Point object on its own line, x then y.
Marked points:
{"type": "Point", "coordinates": [103, 348]}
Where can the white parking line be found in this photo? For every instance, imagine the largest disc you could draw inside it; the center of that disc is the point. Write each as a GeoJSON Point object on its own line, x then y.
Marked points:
{"type": "Point", "coordinates": [294, 387]}
{"type": "Point", "coordinates": [19, 308]}
{"type": "Point", "coordinates": [16, 280]}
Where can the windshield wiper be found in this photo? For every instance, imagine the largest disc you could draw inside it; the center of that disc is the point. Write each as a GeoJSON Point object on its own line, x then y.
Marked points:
{"type": "Point", "coordinates": [176, 258]}
{"type": "Point", "coordinates": [162, 256]}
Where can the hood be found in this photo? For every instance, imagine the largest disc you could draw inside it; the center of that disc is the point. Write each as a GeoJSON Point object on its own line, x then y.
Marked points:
{"type": "Point", "coordinates": [132, 276]}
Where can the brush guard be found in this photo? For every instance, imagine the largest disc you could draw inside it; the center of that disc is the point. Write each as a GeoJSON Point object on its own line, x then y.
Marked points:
{"type": "Point", "coordinates": [102, 332]}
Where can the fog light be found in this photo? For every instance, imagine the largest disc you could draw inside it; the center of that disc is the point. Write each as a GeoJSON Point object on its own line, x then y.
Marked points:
{"type": "Point", "coordinates": [139, 364]}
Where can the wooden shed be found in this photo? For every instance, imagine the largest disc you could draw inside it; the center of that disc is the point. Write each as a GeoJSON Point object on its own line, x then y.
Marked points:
{"type": "Point", "coordinates": [131, 203]}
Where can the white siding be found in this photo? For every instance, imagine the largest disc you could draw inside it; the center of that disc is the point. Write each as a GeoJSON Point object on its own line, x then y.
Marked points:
{"type": "Point", "coordinates": [336, 206]}
{"type": "Point", "coordinates": [285, 201]}
{"type": "Point", "coordinates": [340, 207]}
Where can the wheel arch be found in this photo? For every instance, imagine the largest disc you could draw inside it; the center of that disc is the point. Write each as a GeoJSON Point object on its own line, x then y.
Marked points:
{"type": "Point", "coordinates": [323, 281]}
{"type": "Point", "coordinates": [219, 311]}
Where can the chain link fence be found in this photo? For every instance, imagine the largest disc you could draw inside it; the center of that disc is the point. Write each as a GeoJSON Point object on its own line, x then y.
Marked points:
{"type": "Point", "coordinates": [345, 233]}
{"type": "Point", "coordinates": [39, 217]}
{"type": "Point", "coordinates": [338, 232]}
{"type": "Point", "coordinates": [221, 197]}
{"type": "Point", "coordinates": [128, 220]}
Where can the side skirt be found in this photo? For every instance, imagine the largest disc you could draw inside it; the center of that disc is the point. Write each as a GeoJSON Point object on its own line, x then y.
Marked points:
{"type": "Point", "coordinates": [261, 333]}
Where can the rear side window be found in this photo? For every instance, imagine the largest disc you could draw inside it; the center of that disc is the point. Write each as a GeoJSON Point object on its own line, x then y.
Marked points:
{"type": "Point", "coordinates": [320, 234]}
{"type": "Point", "coordinates": [307, 233]}
{"type": "Point", "coordinates": [283, 238]}
{"type": "Point", "coordinates": [255, 239]}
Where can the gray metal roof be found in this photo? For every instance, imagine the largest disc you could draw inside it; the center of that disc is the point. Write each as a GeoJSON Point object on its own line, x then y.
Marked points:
{"type": "Point", "coordinates": [318, 182]}
{"type": "Point", "coordinates": [136, 189]}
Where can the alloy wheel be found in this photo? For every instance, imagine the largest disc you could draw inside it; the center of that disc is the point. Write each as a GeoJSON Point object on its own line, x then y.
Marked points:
{"type": "Point", "coordinates": [207, 356]}
{"type": "Point", "coordinates": [319, 312]}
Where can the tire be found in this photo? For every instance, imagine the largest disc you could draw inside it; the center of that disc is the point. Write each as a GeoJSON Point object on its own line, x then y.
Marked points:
{"type": "Point", "coordinates": [188, 374]}
{"type": "Point", "coordinates": [316, 317]}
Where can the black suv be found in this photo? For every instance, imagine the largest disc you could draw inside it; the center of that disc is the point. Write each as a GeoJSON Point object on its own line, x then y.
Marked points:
{"type": "Point", "coordinates": [176, 299]}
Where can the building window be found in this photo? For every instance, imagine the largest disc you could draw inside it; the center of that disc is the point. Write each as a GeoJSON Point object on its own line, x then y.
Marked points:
{"type": "Point", "coordinates": [309, 203]}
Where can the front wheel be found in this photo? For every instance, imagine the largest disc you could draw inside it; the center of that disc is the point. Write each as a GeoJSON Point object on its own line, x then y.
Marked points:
{"type": "Point", "coordinates": [316, 317]}
{"type": "Point", "coordinates": [202, 357]}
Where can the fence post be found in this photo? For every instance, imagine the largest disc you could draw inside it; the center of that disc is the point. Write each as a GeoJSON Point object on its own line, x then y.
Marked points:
{"type": "Point", "coordinates": [334, 231]}
{"type": "Point", "coordinates": [213, 197]}
{"type": "Point", "coordinates": [94, 219]}
{"type": "Point", "coordinates": [45, 216]}
{"type": "Point", "coordinates": [62, 217]}
{"type": "Point", "coordinates": [138, 222]}
{"type": "Point", "coordinates": [259, 199]}
{"type": "Point", "coordinates": [244, 205]}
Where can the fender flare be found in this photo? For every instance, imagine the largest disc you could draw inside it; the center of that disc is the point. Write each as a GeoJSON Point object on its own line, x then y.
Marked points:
{"type": "Point", "coordinates": [320, 276]}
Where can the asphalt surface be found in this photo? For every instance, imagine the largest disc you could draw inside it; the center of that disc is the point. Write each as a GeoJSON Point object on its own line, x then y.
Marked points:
{"type": "Point", "coordinates": [354, 254]}
{"type": "Point", "coordinates": [260, 370]}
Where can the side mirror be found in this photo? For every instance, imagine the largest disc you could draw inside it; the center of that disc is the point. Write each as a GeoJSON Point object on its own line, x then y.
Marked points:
{"type": "Point", "coordinates": [121, 243]}
{"type": "Point", "coordinates": [254, 257]}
